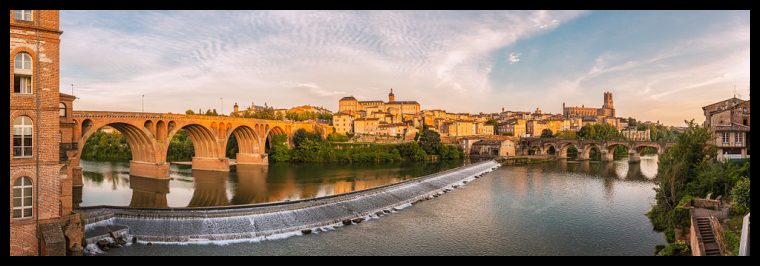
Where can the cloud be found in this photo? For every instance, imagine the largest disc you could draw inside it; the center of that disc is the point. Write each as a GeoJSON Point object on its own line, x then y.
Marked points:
{"type": "Point", "coordinates": [243, 55]}
{"type": "Point", "coordinates": [312, 89]}
{"type": "Point", "coordinates": [513, 58]}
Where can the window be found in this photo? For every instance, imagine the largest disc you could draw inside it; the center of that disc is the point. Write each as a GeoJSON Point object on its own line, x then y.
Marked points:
{"type": "Point", "coordinates": [725, 137]}
{"type": "Point", "coordinates": [22, 74]}
{"type": "Point", "coordinates": [61, 109]}
{"type": "Point", "coordinates": [22, 197]}
{"type": "Point", "coordinates": [738, 137]}
{"type": "Point", "coordinates": [22, 137]}
{"type": "Point", "coordinates": [22, 15]}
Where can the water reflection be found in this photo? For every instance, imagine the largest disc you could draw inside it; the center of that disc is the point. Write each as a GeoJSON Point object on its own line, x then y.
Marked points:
{"type": "Point", "coordinates": [645, 170]}
{"type": "Point", "coordinates": [109, 183]}
{"type": "Point", "coordinates": [148, 192]}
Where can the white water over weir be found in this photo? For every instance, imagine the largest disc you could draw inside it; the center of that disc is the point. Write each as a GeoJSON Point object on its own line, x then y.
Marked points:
{"type": "Point", "coordinates": [184, 225]}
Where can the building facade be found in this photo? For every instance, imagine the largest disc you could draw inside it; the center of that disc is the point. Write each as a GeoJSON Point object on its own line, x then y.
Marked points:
{"type": "Point", "coordinates": [607, 110]}
{"type": "Point", "coordinates": [636, 135]}
{"type": "Point", "coordinates": [492, 148]}
{"type": "Point", "coordinates": [729, 124]}
{"type": "Point", "coordinates": [352, 105]}
{"type": "Point", "coordinates": [343, 123]}
{"type": "Point", "coordinates": [40, 203]}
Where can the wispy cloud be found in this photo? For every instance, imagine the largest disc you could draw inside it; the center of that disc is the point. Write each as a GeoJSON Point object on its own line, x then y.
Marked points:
{"type": "Point", "coordinates": [248, 54]}
{"type": "Point", "coordinates": [513, 58]}
{"type": "Point", "coordinates": [443, 59]}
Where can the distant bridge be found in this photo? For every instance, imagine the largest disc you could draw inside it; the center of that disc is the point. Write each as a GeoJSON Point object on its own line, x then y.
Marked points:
{"type": "Point", "coordinates": [149, 135]}
{"type": "Point", "coordinates": [545, 146]}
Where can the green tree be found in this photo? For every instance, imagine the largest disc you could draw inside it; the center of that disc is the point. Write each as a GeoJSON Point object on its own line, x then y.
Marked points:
{"type": "Point", "coordinates": [566, 134]}
{"type": "Point", "coordinates": [180, 148]}
{"type": "Point", "coordinates": [547, 133]}
{"type": "Point", "coordinates": [301, 136]}
{"type": "Point", "coordinates": [678, 166]}
{"type": "Point", "coordinates": [632, 122]}
{"type": "Point", "coordinates": [600, 131]}
{"type": "Point", "coordinates": [232, 147]}
{"type": "Point", "coordinates": [430, 141]}
{"type": "Point", "coordinates": [279, 151]}
{"type": "Point", "coordinates": [740, 195]}
{"type": "Point", "coordinates": [189, 112]}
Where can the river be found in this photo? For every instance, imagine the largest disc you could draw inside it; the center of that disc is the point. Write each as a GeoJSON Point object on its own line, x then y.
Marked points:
{"type": "Point", "coordinates": [557, 208]}
{"type": "Point", "coordinates": [109, 183]}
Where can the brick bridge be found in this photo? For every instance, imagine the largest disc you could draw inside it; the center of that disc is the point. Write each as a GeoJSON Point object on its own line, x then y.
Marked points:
{"type": "Point", "coordinates": [558, 147]}
{"type": "Point", "coordinates": [149, 134]}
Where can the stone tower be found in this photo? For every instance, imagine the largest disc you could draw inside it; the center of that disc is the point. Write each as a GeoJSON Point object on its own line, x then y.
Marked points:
{"type": "Point", "coordinates": [608, 101]}
{"type": "Point", "coordinates": [391, 97]}
{"type": "Point", "coordinates": [235, 108]}
{"type": "Point", "coordinates": [608, 107]}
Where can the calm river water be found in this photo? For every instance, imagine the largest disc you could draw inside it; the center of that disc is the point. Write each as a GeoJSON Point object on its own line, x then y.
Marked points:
{"type": "Point", "coordinates": [557, 208]}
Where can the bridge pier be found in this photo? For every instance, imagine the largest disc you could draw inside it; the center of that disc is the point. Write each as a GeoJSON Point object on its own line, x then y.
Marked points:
{"type": "Point", "coordinates": [252, 158]}
{"type": "Point", "coordinates": [633, 156]}
{"type": "Point", "coordinates": [583, 156]}
{"type": "Point", "coordinates": [76, 176]}
{"type": "Point", "coordinates": [608, 156]}
{"type": "Point", "coordinates": [212, 164]}
{"type": "Point", "coordinates": [148, 169]}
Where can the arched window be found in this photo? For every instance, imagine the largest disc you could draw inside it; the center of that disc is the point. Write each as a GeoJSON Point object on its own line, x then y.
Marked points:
{"type": "Point", "coordinates": [22, 137]}
{"type": "Point", "coordinates": [61, 109]}
{"type": "Point", "coordinates": [22, 15]}
{"type": "Point", "coordinates": [22, 197]}
{"type": "Point", "coordinates": [22, 74]}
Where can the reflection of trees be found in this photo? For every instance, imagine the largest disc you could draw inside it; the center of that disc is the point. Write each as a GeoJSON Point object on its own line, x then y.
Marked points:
{"type": "Point", "coordinates": [148, 192]}
{"type": "Point", "coordinates": [251, 184]}
{"type": "Point", "coordinates": [210, 189]}
{"type": "Point", "coordinates": [281, 181]}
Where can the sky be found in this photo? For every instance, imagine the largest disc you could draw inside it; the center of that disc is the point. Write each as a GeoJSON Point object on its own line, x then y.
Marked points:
{"type": "Point", "coordinates": [659, 65]}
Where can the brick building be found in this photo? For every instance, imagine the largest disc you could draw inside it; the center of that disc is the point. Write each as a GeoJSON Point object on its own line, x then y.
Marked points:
{"type": "Point", "coordinates": [41, 220]}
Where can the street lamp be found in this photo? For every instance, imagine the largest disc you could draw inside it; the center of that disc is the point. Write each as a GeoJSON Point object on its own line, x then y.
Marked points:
{"type": "Point", "coordinates": [143, 103]}
{"type": "Point", "coordinates": [222, 101]}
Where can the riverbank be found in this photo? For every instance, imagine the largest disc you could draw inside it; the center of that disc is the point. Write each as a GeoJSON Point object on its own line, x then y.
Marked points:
{"type": "Point", "coordinates": [199, 225]}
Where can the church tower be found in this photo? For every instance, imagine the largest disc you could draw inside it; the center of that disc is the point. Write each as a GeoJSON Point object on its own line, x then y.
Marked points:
{"type": "Point", "coordinates": [608, 107]}
{"type": "Point", "coordinates": [391, 97]}
{"type": "Point", "coordinates": [608, 101]}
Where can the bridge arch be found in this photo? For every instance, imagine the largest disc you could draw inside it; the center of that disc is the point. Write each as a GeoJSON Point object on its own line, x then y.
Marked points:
{"type": "Point", "coordinates": [549, 149]}
{"type": "Point", "coordinates": [271, 132]}
{"type": "Point", "coordinates": [585, 153]}
{"type": "Point", "coordinates": [139, 139]}
{"type": "Point", "coordinates": [640, 146]}
{"type": "Point", "coordinates": [610, 148]}
{"type": "Point", "coordinates": [247, 139]}
{"type": "Point", "coordinates": [204, 140]}
{"type": "Point", "coordinates": [565, 146]}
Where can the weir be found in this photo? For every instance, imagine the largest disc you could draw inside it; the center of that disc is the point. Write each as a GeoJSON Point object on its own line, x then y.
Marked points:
{"type": "Point", "coordinates": [182, 225]}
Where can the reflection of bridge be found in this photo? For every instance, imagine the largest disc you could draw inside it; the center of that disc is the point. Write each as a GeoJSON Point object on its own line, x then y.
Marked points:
{"type": "Point", "coordinates": [558, 147]}
{"type": "Point", "coordinates": [149, 135]}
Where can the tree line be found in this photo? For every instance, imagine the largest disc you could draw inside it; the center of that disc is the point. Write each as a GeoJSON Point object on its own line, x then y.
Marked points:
{"type": "Point", "coordinates": [311, 147]}
{"type": "Point", "coordinates": [690, 169]}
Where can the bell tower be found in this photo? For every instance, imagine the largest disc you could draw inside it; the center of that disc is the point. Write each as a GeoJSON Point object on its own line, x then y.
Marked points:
{"type": "Point", "coordinates": [391, 97]}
